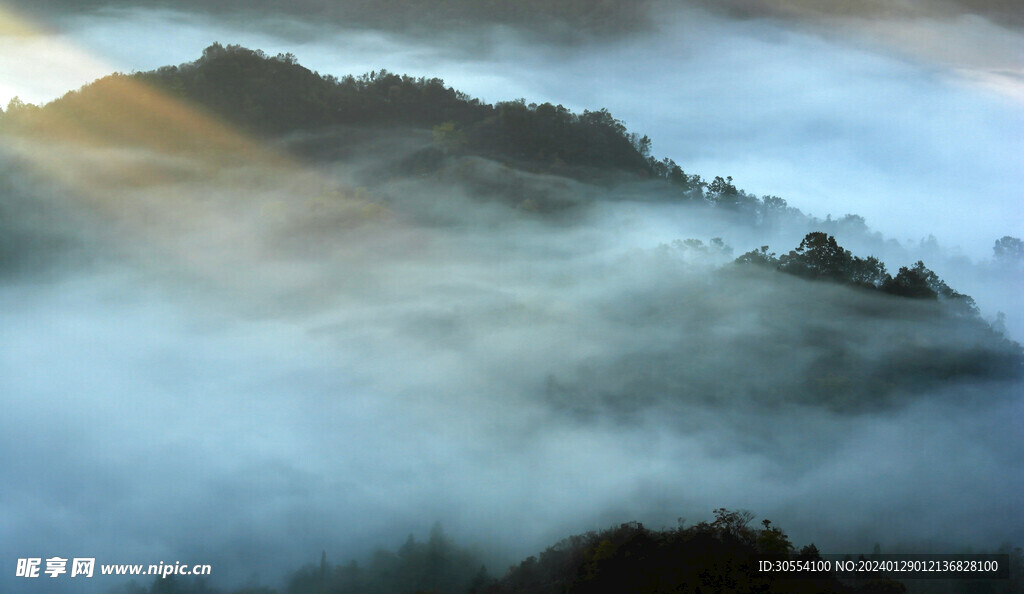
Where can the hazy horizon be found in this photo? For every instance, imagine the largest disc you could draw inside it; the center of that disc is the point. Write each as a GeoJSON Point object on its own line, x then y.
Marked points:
{"type": "Point", "coordinates": [247, 361]}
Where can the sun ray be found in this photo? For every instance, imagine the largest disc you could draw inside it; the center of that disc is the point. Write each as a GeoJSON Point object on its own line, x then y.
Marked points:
{"type": "Point", "coordinates": [172, 174]}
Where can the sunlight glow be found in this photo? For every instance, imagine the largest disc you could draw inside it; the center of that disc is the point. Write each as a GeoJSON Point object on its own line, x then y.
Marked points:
{"type": "Point", "coordinates": [153, 166]}
{"type": "Point", "coordinates": [37, 65]}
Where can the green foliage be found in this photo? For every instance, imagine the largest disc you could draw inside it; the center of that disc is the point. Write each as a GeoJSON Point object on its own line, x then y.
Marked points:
{"type": "Point", "coordinates": [984, 353]}
{"type": "Point", "coordinates": [867, 272]}
{"type": "Point", "coordinates": [16, 108]}
{"type": "Point", "coordinates": [916, 282]}
{"type": "Point", "coordinates": [273, 95]}
{"type": "Point", "coordinates": [711, 556]}
{"type": "Point", "coordinates": [642, 144]}
{"type": "Point", "coordinates": [15, 105]}
{"type": "Point", "coordinates": [759, 257]}
{"type": "Point", "coordinates": [667, 169]}
{"type": "Point", "coordinates": [553, 135]}
{"type": "Point", "coordinates": [773, 204]}
{"type": "Point", "coordinates": [773, 541]}
{"type": "Point", "coordinates": [448, 138]}
{"type": "Point", "coordinates": [722, 188]}
{"type": "Point", "coordinates": [819, 256]}
{"type": "Point", "coordinates": [921, 283]}
{"type": "Point", "coordinates": [715, 556]}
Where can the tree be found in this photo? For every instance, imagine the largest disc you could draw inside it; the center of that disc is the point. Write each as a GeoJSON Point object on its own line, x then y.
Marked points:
{"type": "Point", "coordinates": [215, 50]}
{"type": "Point", "coordinates": [1009, 251]}
{"type": "Point", "coordinates": [16, 106]}
{"type": "Point", "coordinates": [642, 144]}
{"type": "Point", "coordinates": [773, 204]}
{"type": "Point", "coordinates": [773, 541]}
{"type": "Point", "coordinates": [734, 523]}
{"type": "Point", "coordinates": [868, 272]}
{"type": "Point", "coordinates": [760, 257]}
{"type": "Point", "coordinates": [448, 138]}
{"type": "Point", "coordinates": [916, 282]}
{"type": "Point", "coordinates": [722, 187]}
{"type": "Point", "coordinates": [920, 282]}
{"type": "Point", "coordinates": [818, 256]}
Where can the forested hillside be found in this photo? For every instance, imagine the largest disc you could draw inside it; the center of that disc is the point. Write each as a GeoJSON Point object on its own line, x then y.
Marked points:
{"type": "Point", "coordinates": [718, 555]}
{"type": "Point", "coordinates": [355, 304]}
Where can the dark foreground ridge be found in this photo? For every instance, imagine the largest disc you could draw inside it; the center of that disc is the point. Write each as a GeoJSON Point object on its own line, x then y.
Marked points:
{"type": "Point", "coordinates": [717, 556]}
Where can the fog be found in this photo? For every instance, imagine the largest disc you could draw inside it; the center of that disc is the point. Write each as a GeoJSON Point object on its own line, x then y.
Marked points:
{"type": "Point", "coordinates": [909, 117]}
{"type": "Point", "coordinates": [245, 363]}
{"type": "Point", "coordinates": [245, 377]}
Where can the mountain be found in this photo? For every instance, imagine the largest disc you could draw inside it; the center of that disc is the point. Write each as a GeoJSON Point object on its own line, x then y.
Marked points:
{"type": "Point", "coordinates": [272, 95]}
{"type": "Point", "coordinates": [534, 158]}
{"type": "Point", "coordinates": [377, 289]}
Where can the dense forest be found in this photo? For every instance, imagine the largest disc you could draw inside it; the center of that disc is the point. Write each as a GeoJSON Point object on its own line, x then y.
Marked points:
{"type": "Point", "coordinates": [819, 327]}
{"type": "Point", "coordinates": [716, 556]}
{"type": "Point", "coordinates": [275, 97]}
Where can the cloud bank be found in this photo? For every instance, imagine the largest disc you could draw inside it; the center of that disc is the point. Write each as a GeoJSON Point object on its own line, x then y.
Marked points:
{"type": "Point", "coordinates": [284, 374]}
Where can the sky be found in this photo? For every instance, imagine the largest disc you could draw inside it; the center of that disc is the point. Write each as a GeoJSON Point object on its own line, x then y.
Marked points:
{"type": "Point", "coordinates": [187, 379]}
{"type": "Point", "coordinates": [909, 113]}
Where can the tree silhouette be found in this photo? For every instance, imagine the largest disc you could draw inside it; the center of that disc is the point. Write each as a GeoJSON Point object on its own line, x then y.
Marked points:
{"type": "Point", "coordinates": [818, 256]}
{"type": "Point", "coordinates": [1009, 251]}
